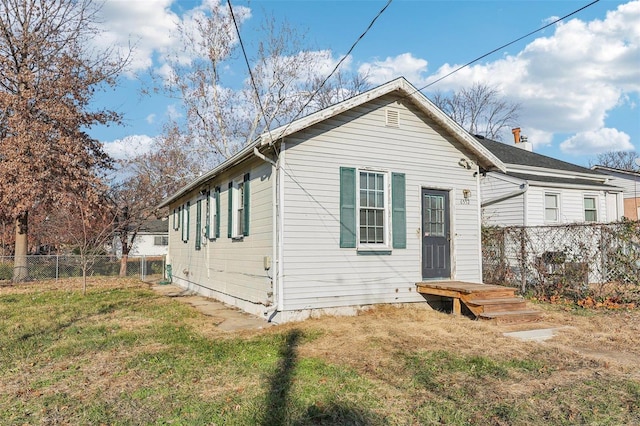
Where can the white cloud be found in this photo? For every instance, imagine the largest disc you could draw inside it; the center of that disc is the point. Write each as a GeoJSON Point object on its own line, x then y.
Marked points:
{"type": "Point", "coordinates": [151, 118]}
{"type": "Point", "coordinates": [596, 142]}
{"type": "Point", "coordinates": [129, 146]}
{"type": "Point", "coordinates": [145, 25]}
{"type": "Point", "coordinates": [569, 81]}
{"type": "Point", "coordinates": [406, 65]}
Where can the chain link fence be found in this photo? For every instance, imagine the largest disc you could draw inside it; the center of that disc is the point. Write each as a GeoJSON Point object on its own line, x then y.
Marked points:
{"type": "Point", "coordinates": [569, 260]}
{"type": "Point", "coordinates": [148, 268]}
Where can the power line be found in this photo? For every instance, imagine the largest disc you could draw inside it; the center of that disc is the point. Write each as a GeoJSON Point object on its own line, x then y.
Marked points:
{"type": "Point", "coordinates": [246, 60]}
{"type": "Point", "coordinates": [341, 60]}
{"type": "Point", "coordinates": [508, 44]}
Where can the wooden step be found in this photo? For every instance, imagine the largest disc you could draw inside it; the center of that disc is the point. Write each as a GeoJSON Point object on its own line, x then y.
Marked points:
{"type": "Point", "coordinates": [497, 305]}
{"type": "Point", "coordinates": [511, 316]}
{"type": "Point", "coordinates": [493, 294]}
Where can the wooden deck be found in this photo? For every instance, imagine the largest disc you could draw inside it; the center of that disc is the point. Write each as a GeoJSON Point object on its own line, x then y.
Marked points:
{"type": "Point", "coordinates": [485, 301]}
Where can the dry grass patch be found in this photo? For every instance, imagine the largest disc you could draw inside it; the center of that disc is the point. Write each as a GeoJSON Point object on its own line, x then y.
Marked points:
{"type": "Point", "coordinates": [125, 355]}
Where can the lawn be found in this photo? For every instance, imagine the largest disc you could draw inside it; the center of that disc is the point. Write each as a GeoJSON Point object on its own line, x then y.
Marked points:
{"type": "Point", "coordinates": [123, 354]}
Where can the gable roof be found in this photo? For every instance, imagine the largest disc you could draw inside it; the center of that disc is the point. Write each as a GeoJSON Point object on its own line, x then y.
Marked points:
{"type": "Point", "coordinates": [407, 91]}
{"type": "Point", "coordinates": [401, 86]}
{"type": "Point", "coordinates": [511, 154]}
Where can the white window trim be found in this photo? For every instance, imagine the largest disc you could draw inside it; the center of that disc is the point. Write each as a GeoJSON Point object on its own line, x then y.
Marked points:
{"type": "Point", "coordinates": [387, 212]}
{"type": "Point", "coordinates": [184, 222]}
{"type": "Point", "coordinates": [236, 207]}
{"type": "Point", "coordinates": [595, 208]}
{"type": "Point", "coordinates": [212, 214]}
{"type": "Point", "coordinates": [558, 207]}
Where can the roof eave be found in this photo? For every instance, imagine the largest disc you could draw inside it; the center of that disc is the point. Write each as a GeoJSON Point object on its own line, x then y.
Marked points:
{"type": "Point", "coordinates": [239, 157]}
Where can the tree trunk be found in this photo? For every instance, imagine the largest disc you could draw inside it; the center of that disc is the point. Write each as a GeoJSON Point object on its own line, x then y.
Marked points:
{"type": "Point", "coordinates": [20, 271]}
{"type": "Point", "coordinates": [123, 265]}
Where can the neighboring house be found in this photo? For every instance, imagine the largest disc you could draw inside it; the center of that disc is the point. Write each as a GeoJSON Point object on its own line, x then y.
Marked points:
{"type": "Point", "coordinates": [540, 190]}
{"type": "Point", "coordinates": [151, 240]}
{"type": "Point", "coordinates": [629, 181]}
{"type": "Point", "coordinates": [349, 206]}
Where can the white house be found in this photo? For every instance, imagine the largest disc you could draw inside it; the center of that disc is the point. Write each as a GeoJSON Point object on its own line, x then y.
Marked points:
{"type": "Point", "coordinates": [349, 206]}
{"type": "Point", "coordinates": [539, 190]}
{"type": "Point", "coordinates": [151, 240]}
{"type": "Point", "coordinates": [629, 181]}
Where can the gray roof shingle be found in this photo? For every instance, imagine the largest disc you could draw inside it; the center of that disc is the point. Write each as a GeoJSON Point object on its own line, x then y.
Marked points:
{"type": "Point", "coordinates": [511, 154]}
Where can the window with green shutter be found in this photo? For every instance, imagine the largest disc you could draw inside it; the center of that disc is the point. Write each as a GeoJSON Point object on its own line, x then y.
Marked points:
{"type": "Point", "coordinates": [372, 209]}
{"type": "Point", "coordinates": [239, 202]}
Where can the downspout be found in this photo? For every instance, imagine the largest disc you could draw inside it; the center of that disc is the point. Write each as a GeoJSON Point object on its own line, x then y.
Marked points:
{"type": "Point", "coordinates": [523, 188]}
{"type": "Point", "coordinates": [275, 192]}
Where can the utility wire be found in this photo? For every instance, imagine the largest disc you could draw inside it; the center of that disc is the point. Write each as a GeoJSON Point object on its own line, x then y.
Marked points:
{"type": "Point", "coordinates": [341, 61]}
{"type": "Point", "coordinates": [246, 60]}
{"type": "Point", "coordinates": [508, 44]}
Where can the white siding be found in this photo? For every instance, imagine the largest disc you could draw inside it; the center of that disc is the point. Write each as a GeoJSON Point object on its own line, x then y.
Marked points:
{"type": "Point", "coordinates": [320, 274]}
{"type": "Point", "coordinates": [509, 212]}
{"type": "Point", "coordinates": [571, 205]}
{"type": "Point", "coordinates": [227, 269]}
{"type": "Point", "coordinates": [629, 183]}
{"type": "Point", "coordinates": [144, 245]}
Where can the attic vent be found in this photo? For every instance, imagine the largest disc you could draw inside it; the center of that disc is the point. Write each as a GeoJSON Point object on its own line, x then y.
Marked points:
{"type": "Point", "coordinates": [393, 117]}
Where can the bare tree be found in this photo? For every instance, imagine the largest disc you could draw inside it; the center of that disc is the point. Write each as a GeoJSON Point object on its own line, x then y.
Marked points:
{"type": "Point", "coordinates": [622, 160]}
{"type": "Point", "coordinates": [219, 119]}
{"type": "Point", "coordinates": [480, 109]}
{"type": "Point", "coordinates": [84, 225]}
{"type": "Point", "coordinates": [48, 76]}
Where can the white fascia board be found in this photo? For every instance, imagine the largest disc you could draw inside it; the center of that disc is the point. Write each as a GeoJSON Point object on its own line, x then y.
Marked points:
{"type": "Point", "coordinates": [594, 187]}
{"type": "Point", "coordinates": [614, 172]}
{"type": "Point", "coordinates": [543, 171]}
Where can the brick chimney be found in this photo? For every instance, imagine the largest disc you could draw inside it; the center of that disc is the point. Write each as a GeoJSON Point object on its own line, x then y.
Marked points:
{"type": "Point", "coordinates": [516, 135]}
{"type": "Point", "coordinates": [521, 141]}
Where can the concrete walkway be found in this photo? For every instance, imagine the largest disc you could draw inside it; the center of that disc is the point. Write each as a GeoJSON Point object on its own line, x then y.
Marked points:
{"type": "Point", "coordinates": [225, 317]}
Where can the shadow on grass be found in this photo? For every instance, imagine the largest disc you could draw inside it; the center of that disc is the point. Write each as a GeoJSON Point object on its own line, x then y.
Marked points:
{"type": "Point", "coordinates": [280, 381]}
{"type": "Point", "coordinates": [279, 411]}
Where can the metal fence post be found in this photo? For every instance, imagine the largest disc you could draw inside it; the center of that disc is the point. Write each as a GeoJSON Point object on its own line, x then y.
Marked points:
{"type": "Point", "coordinates": [57, 267]}
{"type": "Point", "coordinates": [142, 268]}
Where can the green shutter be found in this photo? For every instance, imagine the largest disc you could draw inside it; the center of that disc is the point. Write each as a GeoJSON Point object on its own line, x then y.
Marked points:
{"type": "Point", "coordinates": [217, 198]}
{"type": "Point", "coordinates": [347, 207]}
{"type": "Point", "coordinates": [398, 211]}
{"type": "Point", "coordinates": [207, 216]}
{"type": "Point", "coordinates": [198, 224]}
{"type": "Point", "coordinates": [230, 212]}
{"type": "Point", "coordinates": [245, 207]}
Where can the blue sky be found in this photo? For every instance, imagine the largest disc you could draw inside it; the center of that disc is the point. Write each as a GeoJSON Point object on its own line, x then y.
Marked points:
{"type": "Point", "coordinates": [578, 82]}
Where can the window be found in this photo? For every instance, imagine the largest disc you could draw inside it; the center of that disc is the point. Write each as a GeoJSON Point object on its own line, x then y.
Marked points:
{"type": "Point", "coordinates": [590, 209]}
{"type": "Point", "coordinates": [161, 240]}
{"type": "Point", "coordinates": [551, 207]}
{"type": "Point", "coordinates": [212, 213]}
{"type": "Point", "coordinates": [176, 218]}
{"type": "Point", "coordinates": [185, 221]}
{"type": "Point", "coordinates": [371, 215]}
{"type": "Point", "coordinates": [373, 208]}
{"type": "Point", "coordinates": [238, 222]}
